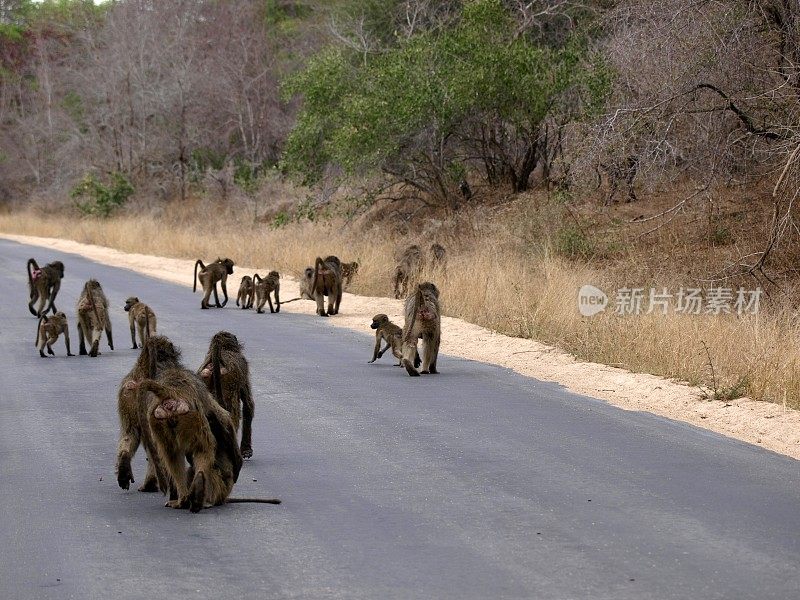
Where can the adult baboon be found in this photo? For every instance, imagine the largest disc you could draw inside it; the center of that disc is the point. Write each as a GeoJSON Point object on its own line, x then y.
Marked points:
{"type": "Point", "coordinates": [324, 279]}
{"type": "Point", "coordinates": [48, 330]}
{"type": "Point", "coordinates": [408, 269]}
{"type": "Point", "coordinates": [264, 287]}
{"type": "Point", "coordinates": [349, 270]}
{"type": "Point", "coordinates": [217, 271]}
{"type": "Point", "coordinates": [234, 371]}
{"type": "Point", "coordinates": [186, 422]}
{"type": "Point", "coordinates": [390, 333]}
{"type": "Point", "coordinates": [43, 285]}
{"type": "Point", "coordinates": [142, 316]}
{"type": "Point", "coordinates": [93, 317]}
{"type": "Point", "coordinates": [423, 320]}
{"type": "Point", "coordinates": [438, 255]}
{"type": "Point", "coordinates": [245, 296]}
{"type": "Point", "coordinates": [158, 353]}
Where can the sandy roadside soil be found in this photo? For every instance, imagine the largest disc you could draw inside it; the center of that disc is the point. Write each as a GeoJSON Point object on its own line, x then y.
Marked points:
{"type": "Point", "coordinates": [769, 425]}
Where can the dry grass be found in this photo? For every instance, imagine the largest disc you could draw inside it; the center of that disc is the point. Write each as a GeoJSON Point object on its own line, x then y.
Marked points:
{"type": "Point", "coordinates": [493, 278]}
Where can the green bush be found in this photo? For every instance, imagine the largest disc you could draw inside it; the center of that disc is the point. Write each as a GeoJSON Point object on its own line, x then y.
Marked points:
{"type": "Point", "coordinates": [572, 242]}
{"type": "Point", "coordinates": [94, 198]}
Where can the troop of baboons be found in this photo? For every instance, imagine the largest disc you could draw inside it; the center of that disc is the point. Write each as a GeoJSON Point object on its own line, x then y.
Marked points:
{"type": "Point", "coordinates": [179, 415]}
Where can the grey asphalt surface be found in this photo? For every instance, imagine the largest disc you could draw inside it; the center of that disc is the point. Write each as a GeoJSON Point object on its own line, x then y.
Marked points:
{"type": "Point", "coordinates": [476, 483]}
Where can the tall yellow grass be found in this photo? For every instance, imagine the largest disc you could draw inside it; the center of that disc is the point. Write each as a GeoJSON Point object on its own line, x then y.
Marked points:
{"type": "Point", "coordinates": [492, 279]}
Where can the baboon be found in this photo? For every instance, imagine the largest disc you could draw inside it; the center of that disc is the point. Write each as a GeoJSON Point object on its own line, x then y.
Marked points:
{"type": "Point", "coordinates": [465, 190]}
{"type": "Point", "coordinates": [186, 422]}
{"type": "Point", "coordinates": [217, 271]}
{"type": "Point", "coordinates": [93, 318]}
{"type": "Point", "coordinates": [390, 333]}
{"type": "Point", "coordinates": [438, 255]}
{"type": "Point", "coordinates": [48, 331]}
{"type": "Point", "coordinates": [264, 287]}
{"type": "Point", "coordinates": [423, 320]}
{"type": "Point", "coordinates": [158, 353]}
{"type": "Point", "coordinates": [43, 285]}
{"type": "Point", "coordinates": [323, 279]}
{"type": "Point", "coordinates": [142, 316]}
{"type": "Point", "coordinates": [349, 270]}
{"type": "Point", "coordinates": [408, 268]}
{"type": "Point", "coordinates": [235, 383]}
{"type": "Point", "coordinates": [245, 293]}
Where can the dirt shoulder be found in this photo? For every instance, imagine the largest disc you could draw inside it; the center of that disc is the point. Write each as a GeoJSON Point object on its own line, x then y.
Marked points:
{"type": "Point", "coordinates": [772, 426]}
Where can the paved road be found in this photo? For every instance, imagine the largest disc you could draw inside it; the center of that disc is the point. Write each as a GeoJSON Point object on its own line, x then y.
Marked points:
{"type": "Point", "coordinates": [477, 483]}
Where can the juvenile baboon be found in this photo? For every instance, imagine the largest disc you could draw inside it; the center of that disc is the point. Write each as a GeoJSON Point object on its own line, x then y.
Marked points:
{"type": "Point", "coordinates": [142, 316]}
{"type": "Point", "coordinates": [423, 320]}
{"type": "Point", "coordinates": [323, 279]}
{"type": "Point", "coordinates": [158, 353]}
{"type": "Point", "coordinates": [43, 285]}
{"type": "Point", "coordinates": [264, 287]}
{"type": "Point", "coordinates": [390, 333]}
{"type": "Point", "coordinates": [186, 422]}
{"type": "Point", "coordinates": [349, 270]}
{"type": "Point", "coordinates": [93, 318]}
{"type": "Point", "coordinates": [245, 296]}
{"type": "Point", "coordinates": [48, 331]}
{"type": "Point", "coordinates": [438, 255]}
{"type": "Point", "coordinates": [408, 269]}
{"type": "Point", "coordinates": [217, 271]}
{"type": "Point", "coordinates": [235, 384]}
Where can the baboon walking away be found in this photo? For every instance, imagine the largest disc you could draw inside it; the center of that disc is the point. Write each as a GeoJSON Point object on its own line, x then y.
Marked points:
{"type": "Point", "coordinates": [158, 353]}
{"type": "Point", "coordinates": [423, 321]}
{"type": "Point", "coordinates": [48, 330]}
{"type": "Point", "coordinates": [245, 296]}
{"type": "Point", "coordinates": [43, 285]}
{"type": "Point", "coordinates": [93, 318]}
{"type": "Point", "coordinates": [324, 279]}
{"type": "Point", "coordinates": [225, 356]}
{"type": "Point", "coordinates": [408, 269]}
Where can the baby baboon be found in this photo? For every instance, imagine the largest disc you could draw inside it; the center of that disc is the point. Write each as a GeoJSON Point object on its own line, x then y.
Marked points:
{"type": "Point", "coordinates": [186, 421]}
{"type": "Point", "coordinates": [438, 255]}
{"type": "Point", "coordinates": [234, 371]}
{"type": "Point", "coordinates": [390, 333]}
{"type": "Point", "coordinates": [408, 268]}
{"type": "Point", "coordinates": [217, 271]}
{"type": "Point", "coordinates": [264, 287]}
{"type": "Point", "coordinates": [349, 270]}
{"type": "Point", "coordinates": [423, 320]}
{"type": "Point", "coordinates": [43, 285]}
{"type": "Point", "coordinates": [324, 279]}
{"type": "Point", "coordinates": [158, 353]}
{"type": "Point", "coordinates": [93, 318]}
{"type": "Point", "coordinates": [245, 296]}
{"type": "Point", "coordinates": [142, 316]}
{"type": "Point", "coordinates": [48, 331]}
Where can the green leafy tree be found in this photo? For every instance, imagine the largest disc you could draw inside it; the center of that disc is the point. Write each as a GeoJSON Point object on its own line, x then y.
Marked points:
{"type": "Point", "coordinates": [95, 198]}
{"type": "Point", "coordinates": [438, 100]}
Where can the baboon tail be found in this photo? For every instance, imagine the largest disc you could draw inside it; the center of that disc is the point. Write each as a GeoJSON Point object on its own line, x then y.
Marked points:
{"type": "Point", "coordinates": [319, 266]}
{"type": "Point", "coordinates": [31, 263]}
{"type": "Point", "coordinates": [257, 278]}
{"type": "Point", "coordinates": [216, 361]}
{"type": "Point", "coordinates": [39, 328]}
{"type": "Point", "coordinates": [146, 325]}
{"type": "Point", "coordinates": [417, 303]}
{"type": "Point", "coordinates": [257, 500]}
{"type": "Point", "coordinates": [202, 268]}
